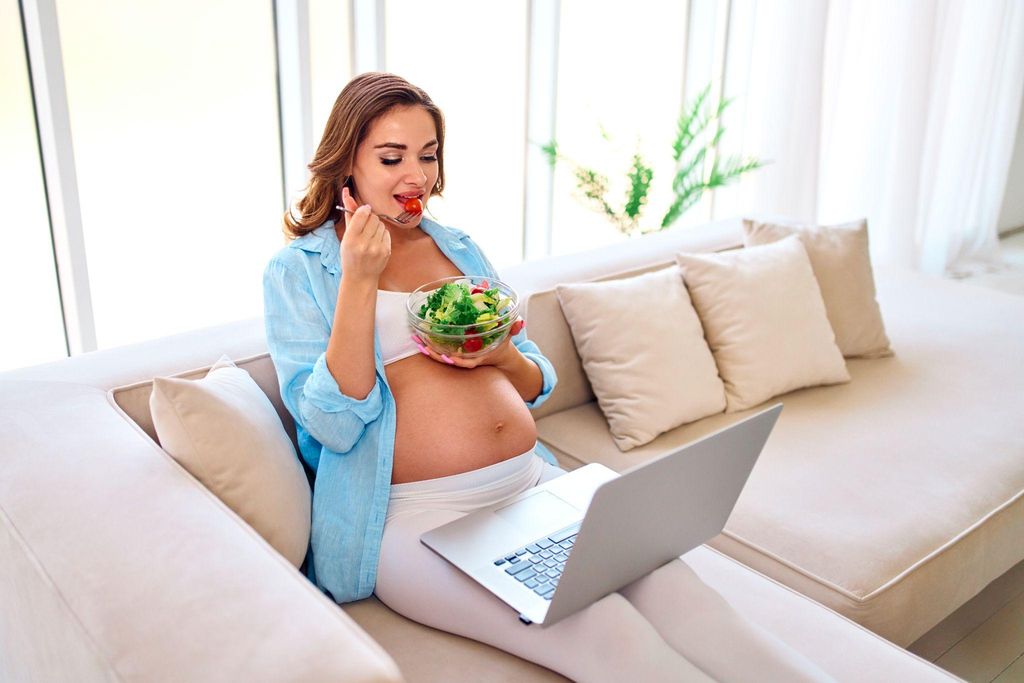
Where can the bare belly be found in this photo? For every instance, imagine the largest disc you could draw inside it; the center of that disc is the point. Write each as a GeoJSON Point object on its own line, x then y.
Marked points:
{"type": "Point", "coordinates": [452, 420]}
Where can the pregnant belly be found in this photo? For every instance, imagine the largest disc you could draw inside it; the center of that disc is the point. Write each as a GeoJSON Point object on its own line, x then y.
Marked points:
{"type": "Point", "coordinates": [452, 420]}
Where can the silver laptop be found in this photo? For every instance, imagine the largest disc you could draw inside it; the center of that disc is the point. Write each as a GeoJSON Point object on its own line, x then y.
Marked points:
{"type": "Point", "coordinates": [565, 544]}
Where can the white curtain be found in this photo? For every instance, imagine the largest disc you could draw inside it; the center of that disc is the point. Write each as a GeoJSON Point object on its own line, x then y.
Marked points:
{"type": "Point", "coordinates": [904, 112]}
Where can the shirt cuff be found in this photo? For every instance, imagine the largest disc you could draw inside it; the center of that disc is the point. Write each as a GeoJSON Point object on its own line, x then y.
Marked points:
{"type": "Point", "coordinates": [548, 378]}
{"type": "Point", "coordinates": [323, 393]}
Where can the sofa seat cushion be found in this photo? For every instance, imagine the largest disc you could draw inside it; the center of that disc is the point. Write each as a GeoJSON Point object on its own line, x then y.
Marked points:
{"type": "Point", "coordinates": [892, 499]}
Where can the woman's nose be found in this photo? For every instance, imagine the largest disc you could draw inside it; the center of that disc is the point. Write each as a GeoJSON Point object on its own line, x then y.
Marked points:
{"type": "Point", "coordinates": [415, 174]}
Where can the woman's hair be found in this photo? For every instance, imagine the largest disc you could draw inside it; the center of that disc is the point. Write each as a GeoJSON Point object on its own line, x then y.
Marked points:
{"type": "Point", "coordinates": [366, 98]}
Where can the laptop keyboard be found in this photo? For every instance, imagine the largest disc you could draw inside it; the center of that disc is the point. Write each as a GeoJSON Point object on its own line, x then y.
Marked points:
{"type": "Point", "coordinates": [539, 565]}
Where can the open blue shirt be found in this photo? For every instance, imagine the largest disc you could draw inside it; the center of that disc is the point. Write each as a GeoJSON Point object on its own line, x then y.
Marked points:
{"type": "Point", "coordinates": [348, 443]}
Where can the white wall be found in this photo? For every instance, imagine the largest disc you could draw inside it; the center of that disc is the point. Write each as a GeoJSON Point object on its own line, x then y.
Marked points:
{"type": "Point", "coordinates": [1012, 215]}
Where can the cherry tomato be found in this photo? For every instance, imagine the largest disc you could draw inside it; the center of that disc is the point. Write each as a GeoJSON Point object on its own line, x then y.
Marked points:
{"type": "Point", "coordinates": [414, 205]}
{"type": "Point", "coordinates": [478, 290]}
{"type": "Point", "coordinates": [472, 345]}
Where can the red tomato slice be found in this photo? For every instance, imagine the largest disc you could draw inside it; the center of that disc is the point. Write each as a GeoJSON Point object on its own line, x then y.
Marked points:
{"type": "Point", "coordinates": [472, 345]}
{"type": "Point", "coordinates": [414, 205]}
{"type": "Point", "coordinates": [478, 290]}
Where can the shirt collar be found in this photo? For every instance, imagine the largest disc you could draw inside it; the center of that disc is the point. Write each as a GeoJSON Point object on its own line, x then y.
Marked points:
{"type": "Point", "coordinates": [324, 240]}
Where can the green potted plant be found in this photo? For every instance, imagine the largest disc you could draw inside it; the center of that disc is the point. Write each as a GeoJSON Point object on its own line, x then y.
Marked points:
{"type": "Point", "coordinates": [693, 176]}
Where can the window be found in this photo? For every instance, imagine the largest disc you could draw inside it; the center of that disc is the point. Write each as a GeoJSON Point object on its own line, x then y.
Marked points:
{"type": "Point", "coordinates": [471, 58]}
{"type": "Point", "coordinates": [330, 57]}
{"type": "Point", "coordinates": [175, 126]}
{"type": "Point", "coordinates": [620, 72]}
{"type": "Point", "coordinates": [29, 299]}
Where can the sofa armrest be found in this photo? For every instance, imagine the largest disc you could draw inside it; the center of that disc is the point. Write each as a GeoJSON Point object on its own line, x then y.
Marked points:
{"type": "Point", "coordinates": [116, 564]}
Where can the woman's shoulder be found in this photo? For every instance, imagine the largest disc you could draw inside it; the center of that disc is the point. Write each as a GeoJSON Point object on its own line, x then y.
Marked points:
{"type": "Point", "coordinates": [319, 247]}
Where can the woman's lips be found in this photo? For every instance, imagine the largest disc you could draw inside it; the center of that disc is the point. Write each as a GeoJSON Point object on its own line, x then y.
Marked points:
{"type": "Point", "coordinates": [402, 199]}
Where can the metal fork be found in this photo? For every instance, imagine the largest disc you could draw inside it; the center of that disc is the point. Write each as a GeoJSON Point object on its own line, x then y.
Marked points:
{"type": "Point", "coordinates": [401, 219]}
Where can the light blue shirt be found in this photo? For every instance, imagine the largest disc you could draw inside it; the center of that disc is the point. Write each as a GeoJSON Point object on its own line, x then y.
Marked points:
{"type": "Point", "coordinates": [348, 443]}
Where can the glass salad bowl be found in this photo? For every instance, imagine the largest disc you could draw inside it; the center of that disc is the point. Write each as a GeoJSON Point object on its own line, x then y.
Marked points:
{"type": "Point", "coordinates": [466, 316]}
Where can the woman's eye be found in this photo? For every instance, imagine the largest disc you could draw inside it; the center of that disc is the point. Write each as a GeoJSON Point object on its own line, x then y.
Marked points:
{"type": "Point", "coordinates": [390, 162]}
{"type": "Point", "coordinates": [429, 157]}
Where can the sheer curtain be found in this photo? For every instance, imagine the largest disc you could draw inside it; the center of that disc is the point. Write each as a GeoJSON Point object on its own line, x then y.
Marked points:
{"type": "Point", "coordinates": [904, 112]}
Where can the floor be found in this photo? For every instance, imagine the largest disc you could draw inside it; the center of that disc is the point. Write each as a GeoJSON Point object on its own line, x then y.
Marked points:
{"type": "Point", "coordinates": [983, 641]}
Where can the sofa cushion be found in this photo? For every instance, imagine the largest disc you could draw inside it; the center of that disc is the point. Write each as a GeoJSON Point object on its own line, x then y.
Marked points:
{"type": "Point", "coordinates": [223, 429]}
{"type": "Point", "coordinates": [644, 353]}
{"type": "Point", "coordinates": [764, 319]}
{"type": "Point", "coordinates": [842, 265]}
{"type": "Point", "coordinates": [133, 398]}
{"type": "Point", "coordinates": [536, 282]}
{"type": "Point", "coordinates": [892, 499]}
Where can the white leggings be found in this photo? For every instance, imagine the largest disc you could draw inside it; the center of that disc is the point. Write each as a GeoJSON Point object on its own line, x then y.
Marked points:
{"type": "Point", "coordinates": [666, 626]}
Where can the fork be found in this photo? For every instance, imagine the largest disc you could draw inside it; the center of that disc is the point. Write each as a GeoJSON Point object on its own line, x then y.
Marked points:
{"type": "Point", "coordinates": [401, 219]}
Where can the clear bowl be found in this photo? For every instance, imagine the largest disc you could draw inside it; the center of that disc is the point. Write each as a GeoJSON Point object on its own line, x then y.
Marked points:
{"type": "Point", "coordinates": [463, 341]}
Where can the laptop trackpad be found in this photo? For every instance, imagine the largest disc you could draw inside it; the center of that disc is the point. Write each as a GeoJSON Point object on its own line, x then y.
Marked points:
{"type": "Point", "coordinates": [542, 508]}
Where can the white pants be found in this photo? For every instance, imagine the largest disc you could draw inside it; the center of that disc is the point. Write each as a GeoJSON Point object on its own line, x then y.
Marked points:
{"type": "Point", "coordinates": [666, 626]}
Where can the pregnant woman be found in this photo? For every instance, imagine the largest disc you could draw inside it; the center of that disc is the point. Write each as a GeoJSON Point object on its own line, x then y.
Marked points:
{"type": "Point", "coordinates": [403, 440]}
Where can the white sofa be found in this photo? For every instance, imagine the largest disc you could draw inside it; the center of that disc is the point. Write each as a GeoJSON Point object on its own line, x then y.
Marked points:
{"type": "Point", "coordinates": [892, 499]}
{"type": "Point", "coordinates": [115, 564]}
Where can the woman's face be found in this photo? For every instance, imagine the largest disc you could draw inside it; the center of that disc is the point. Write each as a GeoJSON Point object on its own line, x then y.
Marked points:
{"type": "Point", "coordinates": [396, 161]}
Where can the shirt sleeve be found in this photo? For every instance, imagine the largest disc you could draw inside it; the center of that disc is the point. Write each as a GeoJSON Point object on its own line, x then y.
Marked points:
{"type": "Point", "coordinates": [297, 334]}
{"type": "Point", "coordinates": [525, 346]}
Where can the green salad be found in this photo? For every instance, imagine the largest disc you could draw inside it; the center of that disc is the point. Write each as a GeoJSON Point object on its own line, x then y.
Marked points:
{"type": "Point", "coordinates": [477, 309]}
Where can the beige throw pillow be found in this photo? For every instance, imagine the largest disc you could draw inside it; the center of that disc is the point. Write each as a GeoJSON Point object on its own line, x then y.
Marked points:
{"type": "Point", "coordinates": [643, 350]}
{"type": "Point", "coordinates": [842, 265]}
{"type": "Point", "coordinates": [225, 432]}
{"type": "Point", "coordinates": [764, 319]}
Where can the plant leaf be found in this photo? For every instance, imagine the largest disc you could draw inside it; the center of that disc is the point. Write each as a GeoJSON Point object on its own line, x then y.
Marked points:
{"type": "Point", "coordinates": [684, 172]}
{"type": "Point", "coordinates": [686, 130]}
{"type": "Point", "coordinates": [640, 176]}
{"type": "Point", "coordinates": [594, 187]}
{"type": "Point", "coordinates": [551, 152]}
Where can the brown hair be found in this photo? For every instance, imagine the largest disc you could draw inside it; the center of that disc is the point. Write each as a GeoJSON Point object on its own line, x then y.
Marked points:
{"type": "Point", "coordinates": [366, 98]}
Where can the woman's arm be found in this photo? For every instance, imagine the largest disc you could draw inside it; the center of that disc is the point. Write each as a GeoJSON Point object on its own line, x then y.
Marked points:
{"type": "Point", "coordinates": [327, 373]}
{"type": "Point", "coordinates": [297, 336]}
{"type": "Point", "coordinates": [350, 348]}
{"type": "Point", "coordinates": [524, 374]}
{"type": "Point", "coordinates": [365, 249]}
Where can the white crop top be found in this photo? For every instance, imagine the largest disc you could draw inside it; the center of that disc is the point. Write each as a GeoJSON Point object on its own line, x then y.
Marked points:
{"type": "Point", "coordinates": [392, 326]}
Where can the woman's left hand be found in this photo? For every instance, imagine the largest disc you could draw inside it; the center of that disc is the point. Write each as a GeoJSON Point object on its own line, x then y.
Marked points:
{"type": "Point", "coordinates": [498, 357]}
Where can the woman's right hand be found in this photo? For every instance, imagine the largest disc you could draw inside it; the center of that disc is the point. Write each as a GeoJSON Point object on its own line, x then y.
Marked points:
{"type": "Point", "coordinates": [366, 243]}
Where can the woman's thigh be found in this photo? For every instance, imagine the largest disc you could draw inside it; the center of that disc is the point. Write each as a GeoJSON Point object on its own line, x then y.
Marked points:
{"type": "Point", "coordinates": [702, 626]}
{"type": "Point", "coordinates": [610, 640]}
